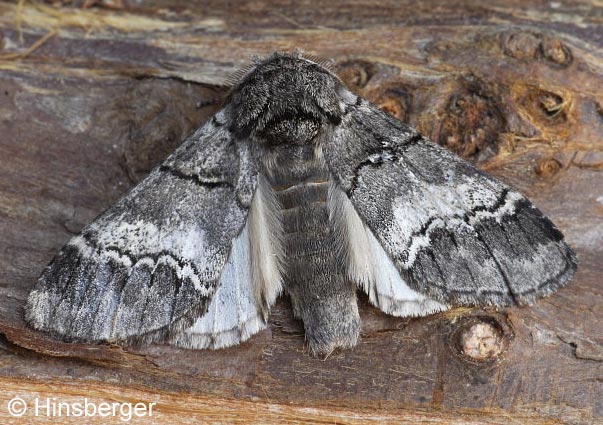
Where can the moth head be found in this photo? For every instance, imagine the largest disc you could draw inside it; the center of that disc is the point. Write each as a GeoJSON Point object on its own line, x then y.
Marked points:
{"type": "Point", "coordinates": [285, 99]}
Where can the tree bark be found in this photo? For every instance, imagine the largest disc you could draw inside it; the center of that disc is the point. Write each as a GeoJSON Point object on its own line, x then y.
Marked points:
{"type": "Point", "coordinates": [93, 94]}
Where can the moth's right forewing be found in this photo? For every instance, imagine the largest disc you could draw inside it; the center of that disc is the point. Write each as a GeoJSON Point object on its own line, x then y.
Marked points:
{"type": "Point", "coordinates": [150, 264]}
{"type": "Point", "coordinates": [455, 235]}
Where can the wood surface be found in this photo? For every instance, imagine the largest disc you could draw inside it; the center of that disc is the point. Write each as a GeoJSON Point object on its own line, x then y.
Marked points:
{"type": "Point", "coordinates": [94, 93]}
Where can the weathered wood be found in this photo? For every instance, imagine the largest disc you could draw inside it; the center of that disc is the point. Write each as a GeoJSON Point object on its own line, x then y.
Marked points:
{"type": "Point", "coordinates": [114, 86]}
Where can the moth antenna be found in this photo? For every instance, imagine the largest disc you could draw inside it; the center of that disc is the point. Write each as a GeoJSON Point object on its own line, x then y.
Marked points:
{"type": "Point", "coordinates": [238, 75]}
{"type": "Point", "coordinates": [328, 63]}
{"type": "Point", "coordinates": [313, 58]}
{"type": "Point", "coordinates": [325, 63]}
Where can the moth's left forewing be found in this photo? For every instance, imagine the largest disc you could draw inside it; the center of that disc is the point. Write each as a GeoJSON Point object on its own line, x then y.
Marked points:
{"type": "Point", "coordinates": [455, 235]}
{"type": "Point", "coordinates": [249, 284]}
{"type": "Point", "coordinates": [149, 266]}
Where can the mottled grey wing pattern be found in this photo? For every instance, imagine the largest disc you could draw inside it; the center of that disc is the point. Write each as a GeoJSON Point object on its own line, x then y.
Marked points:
{"type": "Point", "coordinates": [455, 234]}
{"type": "Point", "coordinates": [149, 265]}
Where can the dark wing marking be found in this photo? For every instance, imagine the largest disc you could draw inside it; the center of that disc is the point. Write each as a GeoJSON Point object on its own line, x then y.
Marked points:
{"type": "Point", "coordinates": [149, 265]}
{"type": "Point", "coordinates": [454, 233]}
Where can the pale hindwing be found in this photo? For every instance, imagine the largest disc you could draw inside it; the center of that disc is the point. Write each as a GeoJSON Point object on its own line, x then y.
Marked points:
{"type": "Point", "coordinates": [233, 314]}
{"type": "Point", "coordinates": [453, 233]}
{"type": "Point", "coordinates": [149, 265]}
{"type": "Point", "coordinates": [250, 281]}
{"type": "Point", "coordinates": [369, 265]}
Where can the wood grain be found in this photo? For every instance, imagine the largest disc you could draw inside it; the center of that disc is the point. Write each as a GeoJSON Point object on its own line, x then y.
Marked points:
{"type": "Point", "coordinates": [93, 94]}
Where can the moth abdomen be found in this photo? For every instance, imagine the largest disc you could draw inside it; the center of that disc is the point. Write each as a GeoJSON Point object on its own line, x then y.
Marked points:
{"type": "Point", "coordinates": [322, 295]}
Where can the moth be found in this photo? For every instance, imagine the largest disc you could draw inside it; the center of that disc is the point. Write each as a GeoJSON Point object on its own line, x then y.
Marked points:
{"type": "Point", "coordinates": [299, 186]}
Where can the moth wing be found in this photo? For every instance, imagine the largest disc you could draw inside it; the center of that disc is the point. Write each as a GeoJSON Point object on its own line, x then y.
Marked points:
{"type": "Point", "coordinates": [250, 281]}
{"type": "Point", "coordinates": [232, 315]}
{"type": "Point", "coordinates": [427, 230]}
{"type": "Point", "coordinates": [148, 267]}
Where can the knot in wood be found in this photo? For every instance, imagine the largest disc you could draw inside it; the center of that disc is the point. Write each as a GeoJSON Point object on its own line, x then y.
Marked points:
{"type": "Point", "coordinates": [355, 73]}
{"type": "Point", "coordinates": [521, 45]}
{"type": "Point", "coordinates": [556, 52]}
{"type": "Point", "coordinates": [550, 103]}
{"type": "Point", "coordinates": [547, 167]}
{"type": "Point", "coordinates": [471, 125]}
{"type": "Point", "coordinates": [527, 45]}
{"type": "Point", "coordinates": [395, 101]}
{"type": "Point", "coordinates": [482, 342]}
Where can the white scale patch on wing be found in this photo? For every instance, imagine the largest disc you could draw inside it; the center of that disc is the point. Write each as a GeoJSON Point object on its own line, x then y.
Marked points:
{"type": "Point", "coordinates": [142, 238]}
{"type": "Point", "coordinates": [371, 267]}
{"type": "Point", "coordinates": [265, 233]}
{"type": "Point", "coordinates": [233, 315]}
{"type": "Point", "coordinates": [445, 205]}
{"type": "Point", "coordinates": [146, 238]}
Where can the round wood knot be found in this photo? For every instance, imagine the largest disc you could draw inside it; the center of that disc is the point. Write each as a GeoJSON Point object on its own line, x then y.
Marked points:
{"type": "Point", "coordinates": [482, 341]}
{"type": "Point", "coordinates": [521, 45]}
{"type": "Point", "coordinates": [526, 45]}
{"type": "Point", "coordinates": [549, 107]}
{"type": "Point", "coordinates": [392, 106]}
{"type": "Point", "coordinates": [556, 52]}
{"type": "Point", "coordinates": [550, 103]}
{"type": "Point", "coordinates": [547, 167]}
{"type": "Point", "coordinates": [393, 100]}
{"type": "Point", "coordinates": [471, 125]}
{"type": "Point", "coordinates": [355, 73]}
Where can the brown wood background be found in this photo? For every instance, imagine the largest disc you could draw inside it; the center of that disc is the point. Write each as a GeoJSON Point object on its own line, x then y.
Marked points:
{"type": "Point", "coordinates": [94, 93]}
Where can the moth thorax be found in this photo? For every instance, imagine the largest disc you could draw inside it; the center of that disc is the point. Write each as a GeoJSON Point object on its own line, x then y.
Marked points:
{"type": "Point", "coordinates": [290, 130]}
